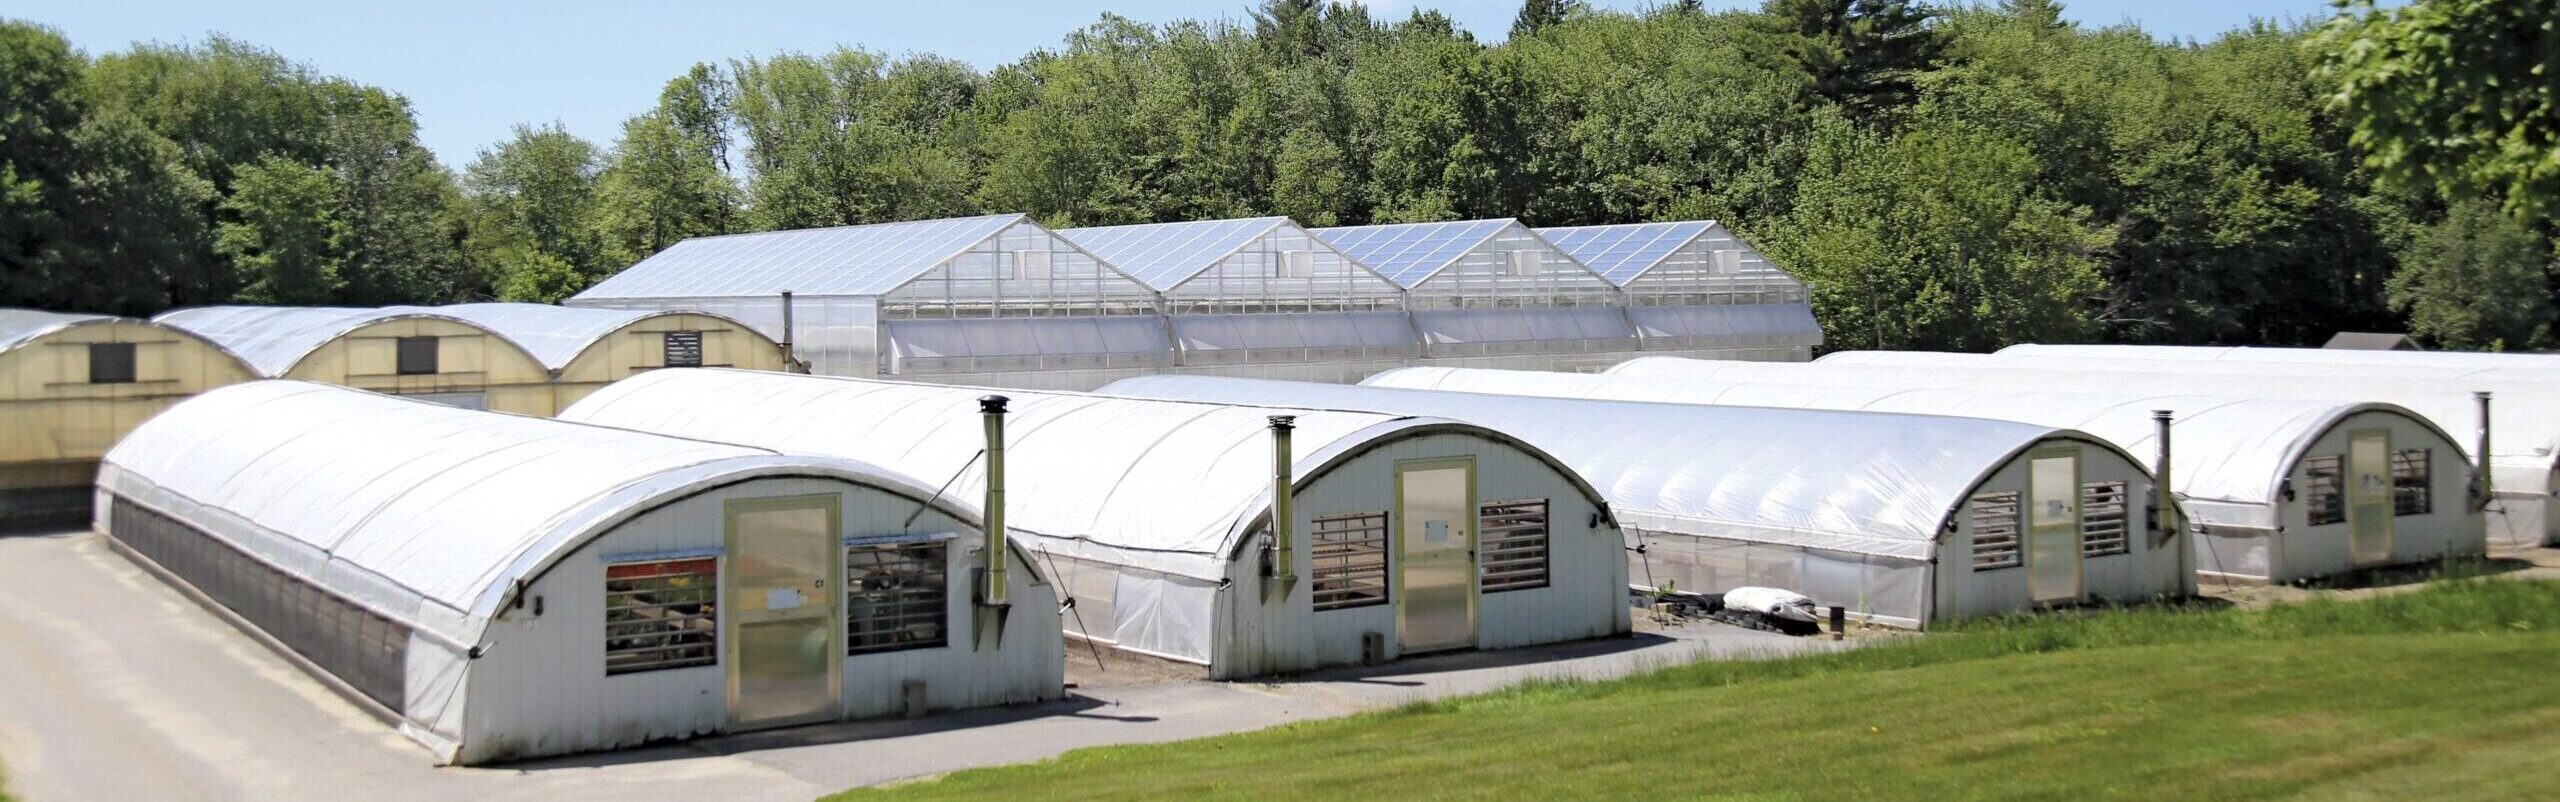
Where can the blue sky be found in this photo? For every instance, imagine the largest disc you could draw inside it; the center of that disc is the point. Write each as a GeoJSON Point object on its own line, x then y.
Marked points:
{"type": "Point", "coordinates": [474, 68]}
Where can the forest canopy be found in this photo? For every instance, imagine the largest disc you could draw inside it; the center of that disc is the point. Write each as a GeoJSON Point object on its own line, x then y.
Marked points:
{"type": "Point", "coordinates": [1960, 177]}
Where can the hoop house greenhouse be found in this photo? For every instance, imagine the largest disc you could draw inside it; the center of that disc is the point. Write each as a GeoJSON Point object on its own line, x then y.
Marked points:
{"type": "Point", "coordinates": [1908, 520]}
{"type": "Point", "coordinates": [2521, 468]}
{"type": "Point", "coordinates": [975, 299]}
{"type": "Point", "coordinates": [503, 587]}
{"type": "Point", "coordinates": [411, 351]}
{"type": "Point", "coordinates": [1692, 288]}
{"type": "Point", "coordinates": [1403, 534]}
{"type": "Point", "coordinates": [1493, 293]}
{"type": "Point", "coordinates": [72, 385]}
{"type": "Point", "coordinates": [1262, 296]}
{"type": "Point", "coordinates": [589, 348]}
{"type": "Point", "coordinates": [2266, 481]}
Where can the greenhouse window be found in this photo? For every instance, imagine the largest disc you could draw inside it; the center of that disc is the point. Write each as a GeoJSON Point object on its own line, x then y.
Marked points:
{"type": "Point", "coordinates": [2324, 497]}
{"type": "Point", "coordinates": [2102, 519]}
{"type": "Point", "coordinates": [111, 363]}
{"type": "Point", "coordinates": [1995, 530]}
{"type": "Point", "coordinates": [661, 614]}
{"type": "Point", "coordinates": [2412, 489]}
{"type": "Point", "coordinates": [416, 356]}
{"type": "Point", "coordinates": [897, 597]}
{"type": "Point", "coordinates": [684, 349]}
{"type": "Point", "coordinates": [1514, 547]}
{"type": "Point", "coordinates": [1350, 560]}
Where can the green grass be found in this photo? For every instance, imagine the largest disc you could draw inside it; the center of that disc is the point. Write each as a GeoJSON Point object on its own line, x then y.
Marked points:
{"type": "Point", "coordinates": [2441, 693]}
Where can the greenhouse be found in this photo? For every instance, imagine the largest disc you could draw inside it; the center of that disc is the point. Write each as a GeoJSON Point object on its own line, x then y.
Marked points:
{"type": "Point", "coordinates": [1492, 293]}
{"type": "Point", "coordinates": [72, 385]}
{"type": "Point", "coordinates": [985, 300]}
{"type": "Point", "coordinates": [1693, 288]}
{"type": "Point", "coordinates": [2434, 360]}
{"type": "Point", "coordinates": [2277, 487]}
{"type": "Point", "coordinates": [1905, 520]}
{"type": "Point", "coordinates": [503, 587]}
{"type": "Point", "coordinates": [2523, 474]}
{"type": "Point", "coordinates": [1262, 296]}
{"type": "Point", "coordinates": [1400, 534]}
{"type": "Point", "coordinates": [410, 351]}
{"type": "Point", "coordinates": [589, 348]}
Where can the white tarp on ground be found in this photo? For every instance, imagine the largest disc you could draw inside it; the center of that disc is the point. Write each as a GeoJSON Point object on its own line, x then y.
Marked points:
{"type": "Point", "coordinates": [2231, 454]}
{"type": "Point", "coordinates": [1164, 486]}
{"type": "Point", "coordinates": [1859, 483]}
{"type": "Point", "coordinates": [422, 512]}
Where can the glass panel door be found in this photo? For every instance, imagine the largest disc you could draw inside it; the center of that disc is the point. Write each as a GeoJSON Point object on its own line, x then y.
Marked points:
{"type": "Point", "coordinates": [1435, 527]}
{"type": "Point", "coordinates": [2053, 526]}
{"type": "Point", "coordinates": [2369, 496]}
{"type": "Point", "coordinates": [783, 653]}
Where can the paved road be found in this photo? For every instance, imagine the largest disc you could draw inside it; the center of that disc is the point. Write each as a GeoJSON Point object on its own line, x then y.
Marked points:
{"type": "Point", "coordinates": [114, 686]}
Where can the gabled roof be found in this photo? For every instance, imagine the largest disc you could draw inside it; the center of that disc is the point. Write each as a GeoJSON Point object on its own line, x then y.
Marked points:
{"type": "Point", "coordinates": [1620, 253]}
{"type": "Point", "coordinates": [1166, 254]}
{"type": "Point", "coordinates": [844, 260]}
{"type": "Point", "coordinates": [1409, 253]}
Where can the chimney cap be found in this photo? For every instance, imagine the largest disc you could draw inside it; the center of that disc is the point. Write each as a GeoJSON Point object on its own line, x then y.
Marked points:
{"type": "Point", "coordinates": [2160, 414]}
{"type": "Point", "coordinates": [992, 404]}
{"type": "Point", "coordinates": [1284, 422]}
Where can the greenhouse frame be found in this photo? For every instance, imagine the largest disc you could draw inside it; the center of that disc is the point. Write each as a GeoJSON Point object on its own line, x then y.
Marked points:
{"type": "Point", "coordinates": [589, 348]}
{"type": "Point", "coordinates": [1404, 534]}
{"type": "Point", "coordinates": [962, 300]}
{"type": "Point", "coordinates": [1694, 288]}
{"type": "Point", "coordinates": [1262, 296]}
{"type": "Point", "coordinates": [2235, 464]}
{"type": "Point", "coordinates": [1905, 520]}
{"type": "Point", "coordinates": [411, 351]}
{"type": "Point", "coordinates": [1494, 293]}
{"type": "Point", "coordinates": [503, 587]}
{"type": "Point", "coordinates": [2523, 469]}
{"type": "Point", "coordinates": [71, 385]}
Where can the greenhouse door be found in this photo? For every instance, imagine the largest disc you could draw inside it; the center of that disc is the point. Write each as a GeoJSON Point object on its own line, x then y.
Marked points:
{"type": "Point", "coordinates": [2369, 496]}
{"type": "Point", "coordinates": [1435, 525]}
{"type": "Point", "coordinates": [783, 646]}
{"type": "Point", "coordinates": [2053, 526]}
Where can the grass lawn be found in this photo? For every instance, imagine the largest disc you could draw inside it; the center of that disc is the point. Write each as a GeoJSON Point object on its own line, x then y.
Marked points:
{"type": "Point", "coordinates": [2443, 693]}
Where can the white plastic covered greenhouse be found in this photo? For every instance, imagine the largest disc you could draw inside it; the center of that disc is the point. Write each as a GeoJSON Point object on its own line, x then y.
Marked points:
{"type": "Point", "coordinates": [2268, 482]}
{"type": "Point", "coordinates": [589, 348]}
{"type": "Point", "coordinates": [971, 299]}
{"type": "Point", "coordinates": [2524, 476]}
{"type": "Point", "coordinates": [1692, 288]}
{"type": "Point", "coordinates": [1406, 535]}
{"type": "Point", "coordinates": [503, 587]}
{"type": "Point", "coordinates": [1494, 293]}
{"type": "Point", "coordinates": [1262, 297]}
{"type": "Point", "coordinates": [1906, 520]}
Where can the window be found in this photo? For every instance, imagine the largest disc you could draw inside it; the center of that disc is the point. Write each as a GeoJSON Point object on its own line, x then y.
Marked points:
{"type": "Point", "coordinates": [2102, 519]}
{"type": "Point", "coordinates": [2412, 492]}
{"type": "Point", "coordinates": [896, 597]}
{"type": "Point", "coordinates": [417, 356]}
{"type": "Point", "coordinates": [1294, 264]}
{"type": "Point", "coordinates": [661, 614]}
{"type": "Point", "coordinates": [2325, 498]}
{"type": "Point", "coordinates": [111, 363]}
{"type": "Point", "coordinates": [1514, 544]}
{"type": "Point", "coordinates": [1995, 530]}
{"type": "Point", "coordinates": [684, 349]}
{"type": "Point", "coordinates": [1350, 560]}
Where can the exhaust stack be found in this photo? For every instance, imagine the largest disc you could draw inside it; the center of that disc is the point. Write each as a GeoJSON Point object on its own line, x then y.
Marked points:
{"type": "Point", "coordinates": [1284, 562]}
{"type": "Point", "coordinates": [991, 594]}
{"type": "Point", "coordinates": [790, 352]}
{"type": "Point", "coordinates": [2165, 516]}
{"type": "Point", "coordinates": [2487, 490]}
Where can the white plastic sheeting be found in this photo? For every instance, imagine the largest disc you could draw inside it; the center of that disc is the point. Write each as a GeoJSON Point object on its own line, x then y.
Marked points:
{"type": "Point", "coordinates": [2231, 456]}
{"type": "Point", "coordinates": [1165, 486]}
{"type": "Point", "coordinates": [273, 338]}
{"type": "Point", "coordinates": [1295, 337]}
{"type": "Point", "coordinates": [2307, 356]}
{"type": "Point", "coordinates": [844, 260]}
{"type": "Point", "coordinates": [556, 335]}
{"type": "Point", "coordinates": [1726, 326]}
{"type": "Point", "coordinates": [17, 326]}
{"type": "Point", "coordinates": [1842, 481]}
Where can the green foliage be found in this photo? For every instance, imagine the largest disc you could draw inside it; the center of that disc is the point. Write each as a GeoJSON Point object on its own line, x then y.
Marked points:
{"type": "Point", "coordinates": [2479, 280]}
{"type": "Point", "coordinates": [536, 277]}
{"type": "Point", "coordinates": [286, 235]}
{"type": "Point", "coordinates": [2455, 96]}
{"type": "Point", "coordinates": [536, 194]}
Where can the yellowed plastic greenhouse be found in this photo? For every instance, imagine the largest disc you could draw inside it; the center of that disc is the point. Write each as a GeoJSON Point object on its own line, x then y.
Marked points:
{"type": "Point", "coordinates": [72, 385]}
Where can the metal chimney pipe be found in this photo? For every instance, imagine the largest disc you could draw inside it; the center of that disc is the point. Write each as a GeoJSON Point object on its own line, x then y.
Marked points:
{"type": "Point", "coordinates": [2172, 525]}
{"type": "Point", "coordinates": [2487, 489]}
{"type": "Point", "coordinates": [991, 409]}
{"type": "Point", "coordinates": [790, 353]}
{"type": "Point", "coordinates": [1284, 561]}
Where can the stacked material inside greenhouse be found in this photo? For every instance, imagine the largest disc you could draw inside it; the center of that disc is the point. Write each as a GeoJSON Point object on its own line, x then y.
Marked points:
{"type": "Point", "coordinates": [1905, 520]}
{"type": "Point", "coordinates": [502, 587]}
{"type": "Point", "coordinates": [72, 385]}
{"type": "Point", "coordinates": [1401, 535]}
{"type": "Point", "coordinates": [2260, 478]}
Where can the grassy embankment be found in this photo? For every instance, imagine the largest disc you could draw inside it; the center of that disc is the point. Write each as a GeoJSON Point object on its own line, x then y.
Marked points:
{"type": "Point", "coordinates": [2443, 693]}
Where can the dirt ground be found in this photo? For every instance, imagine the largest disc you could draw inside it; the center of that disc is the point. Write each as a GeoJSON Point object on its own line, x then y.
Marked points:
{"type": "Point", "coordinates": [2533, 563]}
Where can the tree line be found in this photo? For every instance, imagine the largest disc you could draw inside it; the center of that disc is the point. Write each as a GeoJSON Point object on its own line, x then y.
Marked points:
{"type": "Point", "coordinates": [1946, 177]}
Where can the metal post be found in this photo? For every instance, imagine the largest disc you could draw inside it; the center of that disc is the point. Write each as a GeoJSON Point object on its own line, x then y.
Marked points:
{"type": "Point", "coordinates": [2487, 489]}
{"type": "Point", "coordinates": [2165, 504]}
{"type": "Point", "coordinates": [1284, 560]}
{"type": "Point", "coordinates": [790, 352]}
{"type": "Point", "coordinates": [991, 409]}
{"type": "Point", "coordinates": [1839, 621]}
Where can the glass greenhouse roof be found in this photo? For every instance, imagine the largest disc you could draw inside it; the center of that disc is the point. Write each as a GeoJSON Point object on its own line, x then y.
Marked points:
{"type": "Point", "coordinates": [1411, 252]}
{"type": "Point", "coordinates": [846, 260]}
{"type": "Point", "coordinates": [1620, 253]}
{"type": "Point", "coordinates": [1166, 254]}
